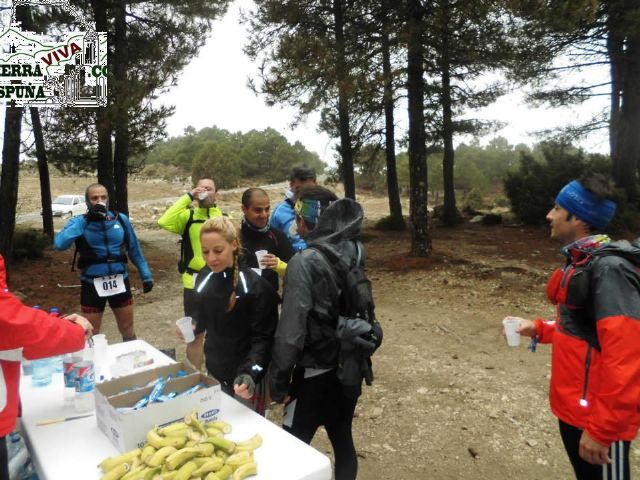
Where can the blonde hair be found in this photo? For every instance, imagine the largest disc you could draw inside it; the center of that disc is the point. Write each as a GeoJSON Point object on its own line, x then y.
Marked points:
{"type": "Point", "coordinates": [224, 227]}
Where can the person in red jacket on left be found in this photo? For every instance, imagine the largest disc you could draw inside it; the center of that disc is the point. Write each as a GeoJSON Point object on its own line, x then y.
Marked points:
{"type": "Point", "coordinates": [32, 334]}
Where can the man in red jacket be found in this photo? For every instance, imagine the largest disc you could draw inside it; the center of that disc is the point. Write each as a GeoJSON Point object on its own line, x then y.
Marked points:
{"type": "Point", "coordinates": [32, 334]}
{"type": "Point", "coordinates": [595, 365]}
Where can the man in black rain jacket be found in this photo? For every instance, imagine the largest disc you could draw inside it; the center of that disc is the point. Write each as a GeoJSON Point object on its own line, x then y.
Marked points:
{"type": "Point", "coordinates": [306, 349]}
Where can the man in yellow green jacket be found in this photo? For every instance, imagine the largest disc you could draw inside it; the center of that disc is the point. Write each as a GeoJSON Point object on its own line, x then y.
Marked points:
{"type": "Point", "coordinates": [186, 220]}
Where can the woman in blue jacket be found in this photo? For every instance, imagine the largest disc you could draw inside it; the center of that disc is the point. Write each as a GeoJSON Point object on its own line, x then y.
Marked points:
{"type": "Point", "coordinates": [102, 240]}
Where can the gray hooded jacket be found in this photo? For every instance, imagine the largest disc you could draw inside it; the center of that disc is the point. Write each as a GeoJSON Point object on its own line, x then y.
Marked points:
{"type": "Point", "coordinates": [306, 333]}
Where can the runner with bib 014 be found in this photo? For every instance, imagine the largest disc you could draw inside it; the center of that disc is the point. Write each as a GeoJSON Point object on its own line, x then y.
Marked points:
{"type": "Point", "coordinates": [103, 239]}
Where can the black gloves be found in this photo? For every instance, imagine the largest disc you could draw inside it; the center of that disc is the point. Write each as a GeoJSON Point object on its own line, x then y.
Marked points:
{"type": "Point", "coordinates": [147, 286]}
{"type": "Point", "coordinates": [97, 212]}
{"type": "Point", "coordinates": [246, 379]}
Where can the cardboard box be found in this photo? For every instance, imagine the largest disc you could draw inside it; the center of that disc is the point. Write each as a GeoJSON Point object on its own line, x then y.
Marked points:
{"type": "Point", "coordinates": [128, 430]}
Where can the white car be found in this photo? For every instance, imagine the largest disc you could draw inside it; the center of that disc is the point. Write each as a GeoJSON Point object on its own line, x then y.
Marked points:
{"type": "Point", "coordinates": [68, 206]}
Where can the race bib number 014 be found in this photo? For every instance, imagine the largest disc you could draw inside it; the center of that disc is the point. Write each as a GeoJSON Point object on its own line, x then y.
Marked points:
{"type": "Point", "coordinates": [109, 286]}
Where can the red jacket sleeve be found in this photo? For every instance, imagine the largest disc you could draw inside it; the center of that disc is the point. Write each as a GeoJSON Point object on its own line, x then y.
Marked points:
{"type": "Point", "coordinates": [39, 334]}
{"type": "Point", "coordinates": [545, 329]}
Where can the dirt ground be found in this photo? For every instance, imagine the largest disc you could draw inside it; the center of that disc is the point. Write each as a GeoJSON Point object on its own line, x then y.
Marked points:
{"type": "Point", "coordinates": [450, 399]}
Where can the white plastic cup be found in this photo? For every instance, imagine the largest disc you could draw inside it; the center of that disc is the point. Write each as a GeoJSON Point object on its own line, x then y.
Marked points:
{"type": "Point", "coordinates": [203, 195]}
{"type": "Point", "coordinates": [186, 328]}
{"type": "Point", "coordinates": [260, 255]}
{"type": "Point", "coordinates": [510, 325]}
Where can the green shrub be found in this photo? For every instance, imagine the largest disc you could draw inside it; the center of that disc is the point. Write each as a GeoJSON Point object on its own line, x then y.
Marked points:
{"type": "Point", "coordinates": [29, 244]}
{"type": "Point", "coordinates": [473, 200]}
{"type": "Point", "coordinates": [533, 187]}
{"type": "Point", "coordinates": [389, 223]}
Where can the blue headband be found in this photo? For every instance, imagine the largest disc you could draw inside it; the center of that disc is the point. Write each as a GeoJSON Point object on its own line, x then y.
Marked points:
{"type": "Point", "coordinates": [585, 206]}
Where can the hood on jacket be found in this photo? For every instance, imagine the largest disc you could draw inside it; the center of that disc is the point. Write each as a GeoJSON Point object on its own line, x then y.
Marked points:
{"type": "Point", "coordinates": [622, 248]}
{"type": "Point", "coordinates": [341, 221]}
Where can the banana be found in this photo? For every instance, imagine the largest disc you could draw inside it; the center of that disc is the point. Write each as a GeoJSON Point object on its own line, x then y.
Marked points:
{"type": "Point", "coordinates": [166, 476]}
{"type": "Point", "coordinates": [214, 432]}
{"type": "Point", "coordinates": [201, 460]}
{"type": "Point", "coordinates": [212, 465]}
{"type": "Point", "coordinates": [147, 451]}
{"type": "Point", "coordinates": [134, 472]}
{"type": "Point", "coordinates": [221, 454]}
{"type": "Point", "coordinates": [191, 443]}
{"type": "Point", "coordinates": [176, 459]}
{"type": "Point", "coordinates": [192, 420]}
{"type": "Point", "coordinates": [150, 473]}
{"type": "Point", "coordinates": [173, 428]}
{"type": "Point", "coordinates": [222, 426]}
{"type": "Point", "coordinates": [185, 471]}
{"type": "Point", "coordinates": [222, 443]}
{"type": "Point", "coordinates": [250, 444]}
{"type": "Point", "coordinates": [245, 471]}
{"type": "Point", "coordinates": [205, 449]}
{"type": "Point", "coordinates": [238, 459]}
{"type": "Point", "coordinates": [197, 436]}
{"type": "Point", "coordinates": [158, 458]}
{"type": "Point", "coordinates": [155, 440]}
{"type": "Point", "coordinates": [117, 472]}
{"type": "Point", "coordinates": [111, 462]}
{"type": "Point", "coordinates": [221, 474]}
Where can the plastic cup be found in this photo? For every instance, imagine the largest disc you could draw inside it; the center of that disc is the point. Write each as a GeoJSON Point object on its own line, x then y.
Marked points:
{"type": "Point", "coordinates": [203, 195]}
{"type": "Point", "coordinates": [260, 255]}
{"type": "Point", "coordinates": [186, 327]}
{"type": "Point", "coordinates": [99, 337]}
{"type": "Point", "coordinates": [510, 325]}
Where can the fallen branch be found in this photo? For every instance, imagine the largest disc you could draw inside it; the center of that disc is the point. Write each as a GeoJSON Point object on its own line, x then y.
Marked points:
{"type": "Point", "coordinates": [68, 286]}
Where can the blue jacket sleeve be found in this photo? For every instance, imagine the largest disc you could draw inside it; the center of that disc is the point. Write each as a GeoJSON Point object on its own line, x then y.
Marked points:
{"type": "Point", "coordinates": [73, 229]}
{"type": "Point", "coordinates": [135, 252]}
{"type": "Point", "coordinates": [284, 219]}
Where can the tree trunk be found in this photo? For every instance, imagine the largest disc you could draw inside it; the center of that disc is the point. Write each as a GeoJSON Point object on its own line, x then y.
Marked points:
{"type": "Point", "coordinates": [103, 118]}
{"type": "Point", "coordinates": [628, 145]}
{"type": "Point", "coordinates": [615, 51]}
{"type": "Point", "coordinates": [121, 146]}
{"type": "Point", "coordinates": [395, 207]}
{"type": "Point", "coordinates": [420, 237]}
{"type": "Point", "coordinates": [346, 149]}
{"type": "Point", "coordinates": [9, 182]}
{"type": "Point", "coordinates": [449, 211]}
{"type": "Point", "coordinates": [43, 171]}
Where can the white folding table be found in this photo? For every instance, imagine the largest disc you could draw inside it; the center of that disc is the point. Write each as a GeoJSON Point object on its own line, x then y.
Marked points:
{"type": "Point", "coordinates": [74, 448]}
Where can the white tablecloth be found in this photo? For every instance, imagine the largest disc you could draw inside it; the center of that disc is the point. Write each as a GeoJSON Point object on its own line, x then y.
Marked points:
{"type": "Point", "coordinates": [73, 449]}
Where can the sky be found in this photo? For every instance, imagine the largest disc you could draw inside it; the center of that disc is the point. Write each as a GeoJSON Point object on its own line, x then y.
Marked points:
{"type": "Point", "coordinates": [233, 106]}
{"type": "Point", "coordinates": [213, 91]}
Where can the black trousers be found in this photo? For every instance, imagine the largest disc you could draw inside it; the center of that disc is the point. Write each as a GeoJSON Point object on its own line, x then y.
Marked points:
{"type": "Point", "coordinates": [320, 401]}
{"type": "Point", "coordinates": [4, 460]}
{"type": "Point", "coordinates": [618, 469]}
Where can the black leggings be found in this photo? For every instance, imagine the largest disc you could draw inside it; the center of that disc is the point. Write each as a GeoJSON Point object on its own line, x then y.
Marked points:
{"type": "Point", "coordinates": [4, 460]}
{"type": "Point", "coordinates": [320, 401]}
{"type": "Point", "coordinates": [618, 453]}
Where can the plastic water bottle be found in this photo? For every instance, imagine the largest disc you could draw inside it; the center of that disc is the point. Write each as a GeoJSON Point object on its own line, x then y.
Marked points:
{"type": "Point", "coordinates": [41, 372]}
{"type": "Point", "coordinates": [85, 382]}
{"type": "Point", "coordinates": [57, 360]}
{"type": "Point", "coordinates": [69, 375]}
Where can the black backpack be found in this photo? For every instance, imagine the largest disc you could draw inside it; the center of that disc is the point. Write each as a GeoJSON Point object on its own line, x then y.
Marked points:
{"type": "Point", "coordinates": [88, 255]}
{"type": "Point", "coordinates": [358, 331]}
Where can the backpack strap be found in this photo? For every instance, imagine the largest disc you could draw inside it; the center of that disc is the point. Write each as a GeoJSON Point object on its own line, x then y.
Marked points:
{"type": "Point", "coordinates": [186, 249]}
{"type": "Point", "coordinates": [88, 256]}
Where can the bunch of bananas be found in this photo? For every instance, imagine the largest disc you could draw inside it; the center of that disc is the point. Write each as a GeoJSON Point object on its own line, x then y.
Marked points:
{"type": "Point", "coordinates": [186, 450]}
